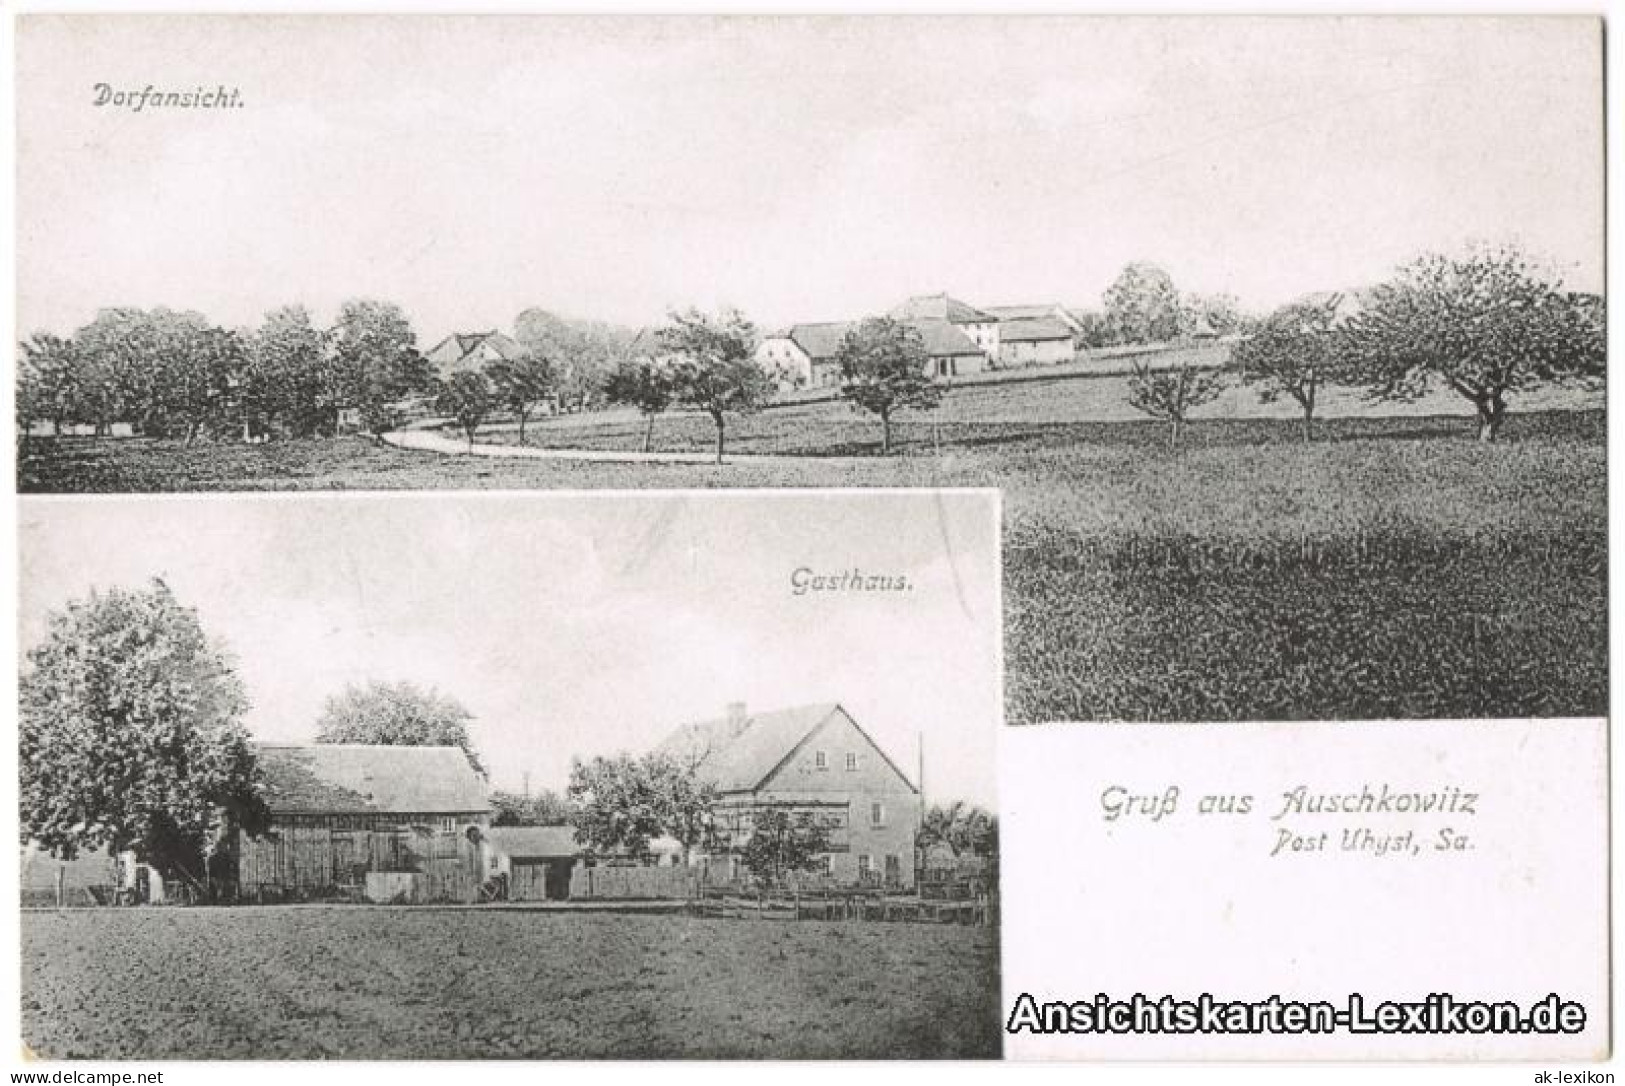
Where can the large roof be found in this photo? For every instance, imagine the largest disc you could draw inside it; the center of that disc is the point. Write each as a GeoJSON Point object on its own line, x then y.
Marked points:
{"type": "Point", "coordinates": [738, 753]}
{"type": "Point", "coordinates": [940, 307]}
{"type": "Point", "coordinates": [1032, 329]}
{"type": "Point", "coordinates": [534, 842]}
{"type": "Point", "coordinates": [820, 341]}
{"type": "Point", "coordinates": [352, 778]}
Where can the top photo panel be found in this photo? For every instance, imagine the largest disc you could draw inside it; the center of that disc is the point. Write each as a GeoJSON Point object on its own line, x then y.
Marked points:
{"type": "Point", "coordinates": [1282, 337]}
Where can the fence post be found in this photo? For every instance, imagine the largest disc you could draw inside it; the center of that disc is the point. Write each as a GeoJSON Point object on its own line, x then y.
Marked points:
{"type": "Point", "coordinates": [60, 900]}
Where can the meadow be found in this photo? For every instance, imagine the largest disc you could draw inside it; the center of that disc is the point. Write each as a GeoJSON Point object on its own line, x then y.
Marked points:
{"type": "Point", "coordinates": [1393, 568]}
{"type": "Point", "coordinates": [365, 983]}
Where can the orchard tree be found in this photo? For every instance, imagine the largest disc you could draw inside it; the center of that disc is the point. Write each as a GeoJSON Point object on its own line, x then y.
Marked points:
{"type": "Point", "coordinates": [781, 844]}
{"type": "Point", "coordinates": [522, 384]}
{"type": "Point", "coordinates": [130, 735]}
{"type": "Point", "coordinates": [965, 829]}
{"type": "Point", "coordinates": [648, 384]}
{"type": "Point", "coordinates": [466, 397]}
{"type": "Point", "coordinates": [397, 714]}
{"type": "Point", "coordinates": [883, 370]}
{"type": "Point", "coordinates": [1142, 305]}
{"type": "Point", "coordinates": [545, 808]}
{"type": "Point", "coordinates": [1294, 353]}
{"type": "Point", "coordinates": [713, 367]}
{"type": "Point", "coordinates": [1487, 325]}
{"type": "Point", "coordinates": [1172, 392]}
{"type": "Point", "coordinates": [685, 801]}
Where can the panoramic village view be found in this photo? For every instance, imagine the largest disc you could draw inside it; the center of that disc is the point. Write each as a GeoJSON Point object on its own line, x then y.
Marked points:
{"type": "Point", "coordinates": [394, 799]}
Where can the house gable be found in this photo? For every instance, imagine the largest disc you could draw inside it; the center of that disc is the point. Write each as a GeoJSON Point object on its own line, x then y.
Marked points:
{"type": "Point", "coordinates": [838, 736]}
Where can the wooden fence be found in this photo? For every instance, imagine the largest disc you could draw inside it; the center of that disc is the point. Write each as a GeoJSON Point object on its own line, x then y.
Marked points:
{"type": "Point", "coordinates": [981, 911]}
{"type": "Point", "coordinates": [626, 883]}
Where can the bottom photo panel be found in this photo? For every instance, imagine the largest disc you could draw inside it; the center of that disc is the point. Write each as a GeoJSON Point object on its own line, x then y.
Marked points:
{"type": "Point", "coordinates": [664, 775]}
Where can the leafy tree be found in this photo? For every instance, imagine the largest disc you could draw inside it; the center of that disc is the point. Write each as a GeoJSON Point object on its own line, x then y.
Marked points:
{"type": "Point", "coordinates": [781, 844]}
{"type": "Point", "coordinates": [522, 384]}
{"type": "Point", "coordinates": [966, 830]}
{"type": "Point", "coordinates": [130, 735]}
{"type": "Point", "coordinates": [883, 370]}
{"type": "Point", "coordinates": [647, 384]}
{"type": "Point", "coordinates": [713, 366]}
{"type": "Point", "coordinates": [290, 378]}
{"type": "Point", "coordinates": [466, 397]}
{"type": "Point", "coordinates": [545, 808]}
{"type": "Point", "coordinates": [1142, 305]}
{"type": "Point", "coordinates": [1172, 392]}
{"type": "Point", "coordinates": [376, 362]}
{"type": "Point", "coordinates": [1220, 312]}
{"type": "Point", "coordinates": [1294, 353]}
{"type": "Point", "coordinates": [397, 714]}
{"type": "Point", "coordinates": [685, 802]}
{"type": "Point", "coordinates": [617, 805]}
{"type": "Point", "coordinates": [581, 352]}
{"type": "Point", "coordinates": [1486, 325]}
{"type": "Point", "coordinates": [50, 382]}
{"type": "Point", "coordinates": [192, 383]}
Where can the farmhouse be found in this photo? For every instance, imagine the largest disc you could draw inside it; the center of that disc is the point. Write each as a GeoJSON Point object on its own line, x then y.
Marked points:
{"type": "Point", "coordinates": [980, 328]}
{"type": "Point", "coordinates": [805, 353]}
{"type": "Point", "coordinates": [536, 860]}
{"type": "Point", "coordinates": [1034, 341]}
{"type": "Point", "coordinates": [385, 823]}
{"type": "Point", "coordinates": [815, 760]}
{"type": "Point", "coordinates": [462, 352]}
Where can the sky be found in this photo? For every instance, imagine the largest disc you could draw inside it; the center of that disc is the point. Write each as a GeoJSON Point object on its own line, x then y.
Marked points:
{"type": "Point", "coordinates": [799, 168]}
{"type": "Point", "coordinates": [570, 625]}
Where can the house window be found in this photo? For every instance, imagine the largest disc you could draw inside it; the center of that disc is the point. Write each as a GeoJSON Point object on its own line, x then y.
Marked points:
{"type": "Point", "coordinates": [865, 865]}
{"type": "Point", "coordinates": [449, 824]}
{"type": "Point", "coordinates": [851, 762]}
{"type": "Point", "coordinates": [877, 814]}
{"type": "Point", "coordinates": [820, 760]}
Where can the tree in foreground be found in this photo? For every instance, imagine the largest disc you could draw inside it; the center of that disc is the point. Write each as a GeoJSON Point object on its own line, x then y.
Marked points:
{"type": "Point", "coordinates": [1295, 353]}
{"type": "Point", "coordinates": [1486, 325]}
{"type": "Point", "coordinates": [782, 844]}
{"type": "Point", "coordinates": [713, 367]}
{"type": "Point", "coordinates": [130, 736]}
{"type": "Point", "coordinates": [50, 377]}
{"type": "Point", "coordinates": [376, 361]}
{"type": "Point", "coordinates": [397, 714]}
{"type": "Point", "coordinates": [647, 384]}
{"type": "Point", "coordinates": [1142, 306]}
{"type": "Point", "coordinates": [620, 803]}
{"type": "Point", "coordinates": [1172, 392]}
{"type": "Point", "coordinates": [467, 398]}
{"type": "Point", "coordinates": [883, 370]}
{"type": "Point", "coordinates": [521, 385]}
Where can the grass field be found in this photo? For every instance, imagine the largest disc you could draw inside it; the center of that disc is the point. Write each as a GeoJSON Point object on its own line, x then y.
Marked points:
{"type": "Point", "coordinates": [365, 983]}
{"type": "Point", "coordinates": [1395, 568]}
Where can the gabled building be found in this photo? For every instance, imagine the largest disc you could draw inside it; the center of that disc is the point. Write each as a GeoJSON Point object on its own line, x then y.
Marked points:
{"type": "Point", "coordinates": [351, 820]}
{"type": "Point", "coordinates": [462, 352]}
{"type": "Point", "coordinates": [980, 327]}
{"type": "Point", "coordinates": [815, 760]}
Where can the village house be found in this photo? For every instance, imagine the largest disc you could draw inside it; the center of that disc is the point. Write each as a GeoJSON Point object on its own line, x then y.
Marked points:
{"type": "Point", "coordinates": [375, 822]}
{"type": "Point", "coordinates": [464, 352]}
{"type": "Point", "coordinates": [815, 760]}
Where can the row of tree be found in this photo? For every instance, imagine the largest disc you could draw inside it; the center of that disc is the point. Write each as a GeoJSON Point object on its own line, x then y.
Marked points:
{"type": "Point", "coordinates": [1485, 326]}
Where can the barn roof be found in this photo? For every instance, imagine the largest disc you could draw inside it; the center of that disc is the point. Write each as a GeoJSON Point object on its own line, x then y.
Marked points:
{"type": "Point", "coordinates": [940, 307]}
{"type": "Point", "coordinates": [738, 753]}
{"type": "Point", "coordinates": [820, 341]}
{"type": "Point", "coordinates": [1032, 329]}
{"type": "Point", "coordinates": [942, 340]}
{"type": "Point", "coordinates": [459, 345]}
{"type": "Point", "coordinates": [353, 778]}
{"type": "Point", "coordinates": [534, 842]}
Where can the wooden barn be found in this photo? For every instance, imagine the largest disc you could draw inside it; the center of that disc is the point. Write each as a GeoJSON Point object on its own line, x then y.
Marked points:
{"type": "Point", "coordinates": [538, 860]}
{"type": "Point", "coordinates": [366, 823]}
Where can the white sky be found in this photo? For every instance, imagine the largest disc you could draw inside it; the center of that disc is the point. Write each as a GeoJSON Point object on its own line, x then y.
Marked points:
{"type": "Point", "coordinates": [802, 169]}
{"type": "Point", "coordinates": [570, 624]}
